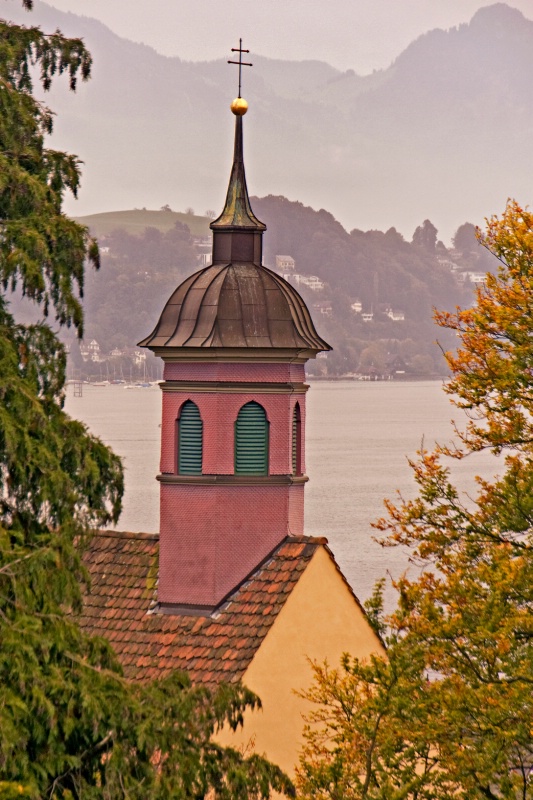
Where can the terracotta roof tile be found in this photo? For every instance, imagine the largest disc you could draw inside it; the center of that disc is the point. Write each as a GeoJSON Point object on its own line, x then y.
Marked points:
{"type": "Point", "coordinates": [119, 606]}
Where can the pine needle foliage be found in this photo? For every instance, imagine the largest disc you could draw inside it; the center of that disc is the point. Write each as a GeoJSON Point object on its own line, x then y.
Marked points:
{"type": "Point", "coordinates": [71, 725]}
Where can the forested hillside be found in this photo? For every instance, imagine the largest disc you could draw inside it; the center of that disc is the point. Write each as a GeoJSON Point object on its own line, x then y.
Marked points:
{"type": "Point", "coordinates": [364, 277]}
{"type": "Point", "coordinates": [382, 271]}
{"type": "Point", "coordinates": [124, 300]}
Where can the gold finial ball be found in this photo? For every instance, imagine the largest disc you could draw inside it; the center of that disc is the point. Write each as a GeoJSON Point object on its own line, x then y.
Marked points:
{"type": "Point", "coordinates": [239, 106]}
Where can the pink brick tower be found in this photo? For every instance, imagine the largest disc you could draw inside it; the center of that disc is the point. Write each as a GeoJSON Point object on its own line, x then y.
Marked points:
{"type": "Point", "coordinates": [234, 338]}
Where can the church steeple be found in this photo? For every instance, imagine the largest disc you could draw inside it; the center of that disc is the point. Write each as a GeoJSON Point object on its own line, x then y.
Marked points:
{"type": "Point", "coordinates": [237, 233]}
{"type": "Point", "coordinates": [237, 213]}
{"type": "Point", "coordinates": [234, 337]}
{"type": "Point", "coordinates": [237, 302]}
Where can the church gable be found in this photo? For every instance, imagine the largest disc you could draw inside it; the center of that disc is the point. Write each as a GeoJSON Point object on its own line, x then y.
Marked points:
{"type": "Point", "coordinates": [320, 620]}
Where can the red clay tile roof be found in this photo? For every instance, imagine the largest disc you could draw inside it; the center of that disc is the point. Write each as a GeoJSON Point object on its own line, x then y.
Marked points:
{"type": "Point", "coordinates": [121, 606]}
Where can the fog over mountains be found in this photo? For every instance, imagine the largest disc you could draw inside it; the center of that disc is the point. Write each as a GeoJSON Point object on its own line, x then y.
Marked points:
{"type": "Point", "coordinates": [444, 133]}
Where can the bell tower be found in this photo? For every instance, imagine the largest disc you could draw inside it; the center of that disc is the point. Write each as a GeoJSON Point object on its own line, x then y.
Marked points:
{"type": "Point", "coordinates": [234, 338]}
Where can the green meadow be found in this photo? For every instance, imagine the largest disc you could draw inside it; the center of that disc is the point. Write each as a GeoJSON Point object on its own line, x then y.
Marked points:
{"type": "Point", "coordinates": [137, 220]}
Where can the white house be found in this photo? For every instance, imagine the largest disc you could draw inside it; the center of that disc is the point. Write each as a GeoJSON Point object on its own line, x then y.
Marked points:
{"type": "Point", "coordinates": [311, 281]}
{"type": "Point", "coordinates": [396, 316]}
{"type": "Point", "coordinates": [284, 263]}
{"type": "Point", "coordinates": [324, 307]}
{"type": "Point", "coordinates": [446, 262]}
{"type": "Point", "coordinates": [473, 277]}
{"type": "Point", "coordinates": [91, 351]}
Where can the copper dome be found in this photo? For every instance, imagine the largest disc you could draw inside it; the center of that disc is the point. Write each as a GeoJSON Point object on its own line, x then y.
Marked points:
{"type": "Point", "coordinates": [236, 302]}
{"type": "Point", "coordinates": [235, 305]}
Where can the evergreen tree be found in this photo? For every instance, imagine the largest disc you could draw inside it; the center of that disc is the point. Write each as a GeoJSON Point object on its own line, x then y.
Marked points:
{"type": "Point", "coordinates": [70, 724]}
{"type": "Point", "coordinates": [425, 236]}
{"type": "Point", "coordinates": [465, 240]}
{"type": "Point", "coordinates": [448, 713]}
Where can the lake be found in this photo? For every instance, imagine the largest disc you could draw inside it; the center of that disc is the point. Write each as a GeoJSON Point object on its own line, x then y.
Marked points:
{"type": "Point", "coordinates": [359, 436]}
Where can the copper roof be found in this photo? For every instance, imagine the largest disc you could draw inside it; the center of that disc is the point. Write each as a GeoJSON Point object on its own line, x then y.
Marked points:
{"type": "Point", "coordinates": [121, 605]}
{"type": "Point", "coordinates": [236, 305]}
{"type": "Point", "coordinates": [237, 212]}
{"type": "Point", "coordinates": [236, 302]}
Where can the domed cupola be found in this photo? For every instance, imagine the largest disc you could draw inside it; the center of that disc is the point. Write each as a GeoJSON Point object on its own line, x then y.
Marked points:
{"type": "Point", "coordinates": [236, 302]}
{"type": "Point", "coordinates": [236, 305]}
{"type": "Point", "coordinates": [234, 338]}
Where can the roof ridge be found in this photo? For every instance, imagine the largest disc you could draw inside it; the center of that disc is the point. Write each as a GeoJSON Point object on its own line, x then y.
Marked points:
{"type": "Point", "coordinates": [306, 540]}
{"type": "Point", "coordinates": [127, 534]}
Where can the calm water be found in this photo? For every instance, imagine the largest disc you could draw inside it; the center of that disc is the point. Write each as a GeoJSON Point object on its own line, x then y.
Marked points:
{"type": "Point", "coordinates": [359, 436]}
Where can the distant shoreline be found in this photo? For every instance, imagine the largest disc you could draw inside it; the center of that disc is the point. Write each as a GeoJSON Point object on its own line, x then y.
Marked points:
{"type": "Point", "coordinates": [396, 379]}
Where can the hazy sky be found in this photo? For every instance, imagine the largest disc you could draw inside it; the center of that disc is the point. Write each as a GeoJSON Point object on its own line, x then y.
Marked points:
{"type": "Point", "coordinates": [360, 34]}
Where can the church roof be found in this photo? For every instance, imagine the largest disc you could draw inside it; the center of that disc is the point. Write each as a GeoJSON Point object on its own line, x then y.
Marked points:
{"type": "Point", "coordinates": [236, 302]}
{"type": "Point", "coordinates": [236, 305]}
{"type": "Point", "coordinates": [121, 605]}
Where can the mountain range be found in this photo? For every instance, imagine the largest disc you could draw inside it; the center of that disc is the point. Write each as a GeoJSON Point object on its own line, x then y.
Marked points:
{"type": "Point", "coordinates": [442, 133]}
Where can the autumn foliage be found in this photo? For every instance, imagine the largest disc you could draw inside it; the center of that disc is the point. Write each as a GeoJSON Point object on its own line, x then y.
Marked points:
{"type": "Point", "coordinates": [449, 712]}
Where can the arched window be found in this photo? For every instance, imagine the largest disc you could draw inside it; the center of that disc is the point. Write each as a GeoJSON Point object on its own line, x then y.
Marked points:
{"type": "Point", "coordinates": [296, 441]}
{"type": "Point", "coordinates": [190, 440]}
{"type": "Point", "coordinates": [251, 441]}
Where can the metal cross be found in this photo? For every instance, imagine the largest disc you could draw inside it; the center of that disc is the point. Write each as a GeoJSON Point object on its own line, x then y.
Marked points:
{"type": "Point", "coordinates": [240, 62]}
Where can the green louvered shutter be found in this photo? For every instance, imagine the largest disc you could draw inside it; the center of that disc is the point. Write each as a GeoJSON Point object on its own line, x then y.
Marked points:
{"type": "Point", "coordinates": [190, 435]}
{"type": "Point", "coordinates": [251, 441]}
{"type": "Point", "coordinates": [296, 440]}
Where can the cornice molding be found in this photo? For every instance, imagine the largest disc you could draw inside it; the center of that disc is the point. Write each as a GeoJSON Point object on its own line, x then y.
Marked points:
{"type": "Point", "coordinates": [233, 355]}
{"type": "Point", "coordinates": [232, 480]}
{"type": "Point", "coordinates": [231, 387]}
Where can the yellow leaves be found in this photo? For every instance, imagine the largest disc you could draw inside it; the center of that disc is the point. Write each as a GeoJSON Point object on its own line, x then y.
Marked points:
{"type": "Point", "coordinates": [512, 234]}
{"type": "Point", "coordinates": [467, 619]}
{"type": "Point", "coordinates": [492, 368]}
{"type": "Point", "coordinates": [11, 790]}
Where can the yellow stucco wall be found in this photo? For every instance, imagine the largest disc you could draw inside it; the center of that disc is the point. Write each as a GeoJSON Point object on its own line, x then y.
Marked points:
{"type": "Point", "coordinates": [320, 620]}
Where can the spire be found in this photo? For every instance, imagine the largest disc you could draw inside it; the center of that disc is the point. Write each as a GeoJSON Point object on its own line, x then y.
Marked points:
{"type": "Point", "coordinates": [237, 213]}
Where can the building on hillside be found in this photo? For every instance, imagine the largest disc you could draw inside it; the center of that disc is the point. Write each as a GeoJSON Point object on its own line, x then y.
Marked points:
{"type": "Point", "coordinates": [324, 307]}
{"type": "Point", "coordinates": [395, 315]}
{"type": "Point", "coordinates": [477, 278]}
{"type": "Point", "coordinates": [357, 307]}
{"type": "Point", "coordinates": [91, 352]}
{"type": "Point", "coordinates": [285, 263]}
{"type": "Point", "coordinates": [202, 245]}
{"type": "Point", "coordinates": [447, 262]}
{"type": "Point", "coordinates": [138, 357]}
{"type": "Point", "coordinates": [231, 588]}
{"type": "Point", "coordinates": [295, 278]}
{"type": "Point", "coordinates": [313, 282]}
